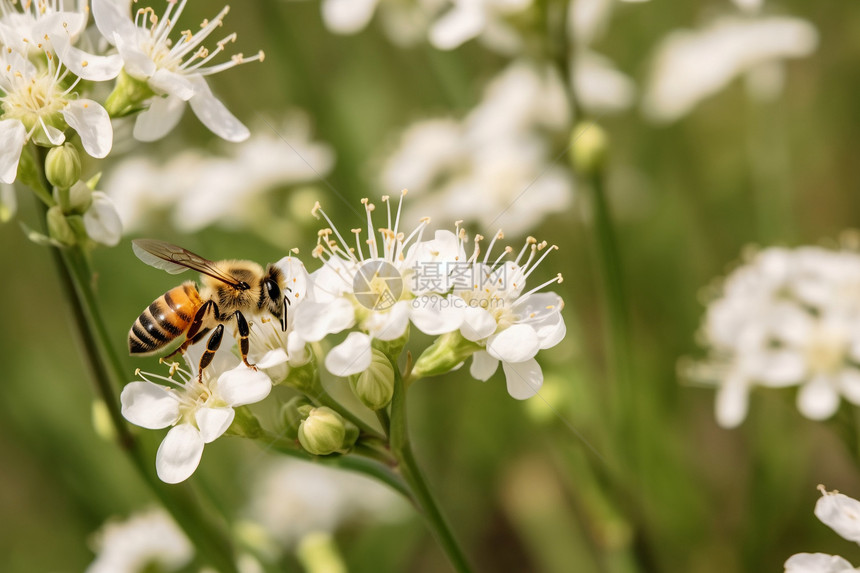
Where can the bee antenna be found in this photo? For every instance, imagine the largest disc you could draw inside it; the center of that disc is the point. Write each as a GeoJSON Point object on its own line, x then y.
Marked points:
{"type": "Point", "coordinates": [284, 315]}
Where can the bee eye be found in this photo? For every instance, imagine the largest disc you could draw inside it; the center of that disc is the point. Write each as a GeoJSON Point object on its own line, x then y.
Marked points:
{"type": "Point", "coordinates": [272, 289]}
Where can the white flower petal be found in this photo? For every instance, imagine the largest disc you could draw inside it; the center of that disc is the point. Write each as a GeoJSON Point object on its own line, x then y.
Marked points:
{"type": "Point", "coordinates": [162, 115]}
{"type": "Point", "coordinates": [85, 65]}
{"type": "Point", "coordinates": [347, 16]}
{"type": "Point", "coordinates": [113, 17]}
{"type": "Point", "coordinates": [478, 323]}
{"type": "Point", "coordinates": [841, 514]}
{"type": "Point", "coordinates": [732, 402]}
{"type": "Point", "coordinates": [92, 123]}
{"type": "Point", "coordinates": [849, 384]}
{"type": "Point", "coordinates": [517, 343]}
{"type": "Point", "coordinates": [136, 63]}
{"type": "Point", "coordinates": [460, 24]}
{"type": "Point", "coordinates": [164, 81]}
{"type": "Point", "coordinates": [272, 358]}
{"type": "Point", "coordinates": [524, 379]}
{"type": "Point", "coordinates": [242, 385]}
{"type": "Point", "coordinates": [351, 356]}
{"type": "Point", "coordinates": [818, 399]}
{"type": "Point", "coordinates": [54, 135]}
{"type": "Point", "coordinates": [817, 563]}
{"type": "Point", "coordinates": [297, 349]}
{"type": "Point", "coordinates": [315, 320]}
{"type": "Point", "coordinates": [213, 422]}
{"type": "Point", "coordinates": [390, 324]}
{"type": "Point", "coordinates": [434, 315]}
{"type": "Point", "coordinates": [13, 135]}
{"type": "Point", "coordinates": [102, 221]}
{"type": "Point", "coordinates": [179, 454]}
{"type": "Point", "coordinates": [483, 366]}
{"type": "Point", "coordinates": [213, 114]}
{"type": "Point", "coordinates": [149, 405]}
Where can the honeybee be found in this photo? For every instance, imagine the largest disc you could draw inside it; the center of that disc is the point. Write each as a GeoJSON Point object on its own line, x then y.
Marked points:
{"type": "Point", "coordinates": [230, 289]}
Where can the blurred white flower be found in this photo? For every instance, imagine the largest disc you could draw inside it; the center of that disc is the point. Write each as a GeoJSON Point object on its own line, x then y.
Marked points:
{"type": "Point", "coordinates": [483, 19]}
{"type": "Point", "coordinates": [599, 86]}
{"type": "Point", "coordinates": [292, 499]}
{"type": "Point", "coordinates": [174, 70]}
{"type": "Point", "coordinates": [785, 318]}
{"type": "Point", "coordinates": [39, 103]}
{"type": "Point", "coordinates": [200, 411]}
{"type": "Point", "coordinates": [494, 167]}
{"type": "Point", "coordinates": [405, 22]}
{"type": "Point", "coordinates": [143, 541]}
{"type": "Point", "coordinates": [842, 514]}
{"type": "Point", "coordinates": [692, 65]}
{"type": "Point", "coordinates": [200, 190]}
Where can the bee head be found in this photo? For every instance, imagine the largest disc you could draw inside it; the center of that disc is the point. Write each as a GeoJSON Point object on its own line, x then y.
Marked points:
{"type": "Point", "coordinates": [273, 296]}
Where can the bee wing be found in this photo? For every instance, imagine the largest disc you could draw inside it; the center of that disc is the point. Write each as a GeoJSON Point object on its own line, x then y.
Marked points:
{"type": "Point", "coordinates": [174, 260]}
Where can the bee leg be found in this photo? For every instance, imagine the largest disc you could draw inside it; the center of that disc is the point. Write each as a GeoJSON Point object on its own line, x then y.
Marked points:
{"type": "Point", "coordinates": [211, 348]}
{"type": "Point", "coordinates": [196, 332]}
{"type": "Point", "coordinates": [244, 332]}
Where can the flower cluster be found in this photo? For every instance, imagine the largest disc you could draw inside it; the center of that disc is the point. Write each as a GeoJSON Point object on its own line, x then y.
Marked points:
{"type": "Point", "coordinates": [477, 305]}
{"type": "Point", "coordinates": [477, 168]}
{"type": "Point", "coordinates": [842, 514]}
{"type": "Point", "coordinates": [49, 75]}
{"type": "Point", "coordinates": [788, 317]}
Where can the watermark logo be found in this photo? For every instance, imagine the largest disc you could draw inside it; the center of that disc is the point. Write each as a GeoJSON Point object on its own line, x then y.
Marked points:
{"type": "Point", "coordinates": [377, 285]}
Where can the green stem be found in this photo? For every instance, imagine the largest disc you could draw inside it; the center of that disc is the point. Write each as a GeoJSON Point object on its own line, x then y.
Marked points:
{"type": "Point", "coordinates": [402, 450]}
{"type": "Point", "coordinates": [326, 399]}
{"type": "Point", "coordinates": [75, 280]}
{"type": "Point", "coordinates": [614, 300]}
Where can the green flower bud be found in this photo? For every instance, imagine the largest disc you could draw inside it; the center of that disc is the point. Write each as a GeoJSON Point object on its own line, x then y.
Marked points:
{"type": "Point", "coordinates": [323, 432]}
{"type": "Point", "coordinates": [449, 351]}
{"type": "Point", "coordinates": [375, 386]}
{"type": "Point", "coordinates": [127, 96]}
{"type": "Point", "coordinates": [101, 420]}
{"type": "Point", "coordinates": [293, 413]}
{"type": "Point", "coordinates": [59, 228]}
{"type": "Point", "coordinates": [588, 148]}
{"type": "Point", "coordinates": [317, 552]}
{"type": "Point", "coordinates": [63, 166]}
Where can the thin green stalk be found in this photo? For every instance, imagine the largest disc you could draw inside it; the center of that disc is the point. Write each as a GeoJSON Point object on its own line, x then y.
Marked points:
{"type": "Point", "coordinates": [614, 299]}
{"type": "Point", "coordinates": [402, 450]}
{"type": "Point", "coordinates": [326, 399]}
{"type": "Point", "coordinates": [75, 282]}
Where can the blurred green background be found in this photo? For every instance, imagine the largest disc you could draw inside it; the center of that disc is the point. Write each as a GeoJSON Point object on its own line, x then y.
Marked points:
{"type": "Point", "coordinates": [517, 480]}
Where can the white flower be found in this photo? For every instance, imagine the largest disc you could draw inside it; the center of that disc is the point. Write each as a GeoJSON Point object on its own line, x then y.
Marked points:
{"type": "Point", "coordinates": [38, 103]}
{"type": "Point", "coordinates": [196, 190]}
{"type": "Point", "coordinates": [144, 540]}
{"type": "Point", "coordinates": [691, 65]}
{"type": "Point", "coordinates": [468, 19]}
{"type": "Point", "coordinates": [512, 324]}
{"type": "Point", "coordinates": [293, 499]}
{"type": "Point", "coordinates": [199, 411]}
{"type": "Point", "coordinates": [174, 68]}
{"type": "Point", "coordinates": [842, 514]}
{"type": "Point", "coordinates": [370, 286]}
{"type": "Point", "coordinates": [786, 318]}
{"type": "Point", "coordinates": [102, 220]}
{"type": "Point", "coordinates": [30, 27]}
{"type": "Point", "coordinates": [496, 166]}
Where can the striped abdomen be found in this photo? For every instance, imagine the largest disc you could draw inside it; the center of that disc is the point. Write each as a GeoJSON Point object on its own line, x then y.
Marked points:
{"type": "Point", "coordinates": [168, 317]}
